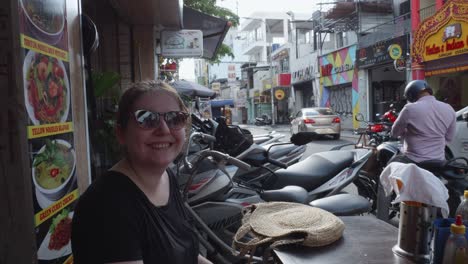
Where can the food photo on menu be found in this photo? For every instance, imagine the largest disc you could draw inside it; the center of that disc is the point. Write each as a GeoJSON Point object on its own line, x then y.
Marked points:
{"type": "Point", "coordinates": [53, 171]}
{"type": "Point", "coordinates": [47, 89]}
{"type": "Point", "coordinates": [45, 20]}
{"type": "Point", "coordinates": [56, 234]}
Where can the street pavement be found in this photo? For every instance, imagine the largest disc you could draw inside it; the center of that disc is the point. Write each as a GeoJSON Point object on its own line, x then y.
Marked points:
{"type": "Point", "coordinates": [322, 144]}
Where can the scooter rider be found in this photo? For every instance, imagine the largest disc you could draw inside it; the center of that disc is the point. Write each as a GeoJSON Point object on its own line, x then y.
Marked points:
{"type": "Point", "coordinates": [425, 124]}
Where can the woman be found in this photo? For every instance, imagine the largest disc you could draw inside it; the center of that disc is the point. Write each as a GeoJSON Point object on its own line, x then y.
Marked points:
{"type": "Point", "coordinates": [135, 214]}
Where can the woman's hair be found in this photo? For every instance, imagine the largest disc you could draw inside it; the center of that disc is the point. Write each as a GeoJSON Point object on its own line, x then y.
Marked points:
{"type": "Point", "coordinates": [136, 90]}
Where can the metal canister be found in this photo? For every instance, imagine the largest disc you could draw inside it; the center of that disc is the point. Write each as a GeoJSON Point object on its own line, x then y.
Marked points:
{"type": "Point", "coordinates": [415, 231]}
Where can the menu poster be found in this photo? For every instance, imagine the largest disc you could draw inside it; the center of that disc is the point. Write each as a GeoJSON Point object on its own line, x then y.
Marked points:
{"type": "Point", "coordinates": [47, 90]}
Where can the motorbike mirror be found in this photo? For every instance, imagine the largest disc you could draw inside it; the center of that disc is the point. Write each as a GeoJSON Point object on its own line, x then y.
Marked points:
{"type": "Point", "coordinates": [359, 117]}
{"type": "Point", "coordinates": [391, 106]}
{"type": "Point", "coordinates": [303, 138]}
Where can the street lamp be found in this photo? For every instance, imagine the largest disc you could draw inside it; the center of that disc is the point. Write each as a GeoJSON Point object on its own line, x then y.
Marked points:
{"type": "Point", "coordinates": [270, 66]}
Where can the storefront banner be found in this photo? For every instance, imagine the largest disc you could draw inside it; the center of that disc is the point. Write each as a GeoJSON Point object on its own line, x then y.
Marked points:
{"type": "Point", "coordinates": [443, 35]}
{"type": "Point", "coordinates": [450, 40]}
{"type": "Point", "coordinates": [338, 67]}
{"type": "Point", "coordinates": [47, 99]}
{"type": "Point", "coordinates": [302, 75]}
{"type": "Point", "coordinates": [382, 52]}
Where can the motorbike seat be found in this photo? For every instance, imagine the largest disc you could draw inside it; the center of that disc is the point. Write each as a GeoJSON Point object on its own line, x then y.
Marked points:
{"type": "Point", "coordinates": [290, 193]}
{"type": "Point", "coordinates": [343, 204]}
{"type": "Point", "coordinates": [314, 170]}
{"type": "Point", "coordinates": [432, 165]}
{"type": "Point", "coordinates": [450, 170]}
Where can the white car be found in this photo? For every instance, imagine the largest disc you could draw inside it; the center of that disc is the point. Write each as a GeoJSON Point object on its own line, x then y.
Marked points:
{"type": "Point", "coordinates": [459, 145]}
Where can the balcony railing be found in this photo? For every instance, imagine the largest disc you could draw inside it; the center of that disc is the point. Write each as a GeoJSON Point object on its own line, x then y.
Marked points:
{"type": "Point", "coordinates": [427, 12]}
{"type": "Point", "coordinates": [396, 27]}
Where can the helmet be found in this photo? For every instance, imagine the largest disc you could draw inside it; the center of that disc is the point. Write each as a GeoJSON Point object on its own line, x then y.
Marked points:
{"type": "Point", "coordinates": [413, 89]}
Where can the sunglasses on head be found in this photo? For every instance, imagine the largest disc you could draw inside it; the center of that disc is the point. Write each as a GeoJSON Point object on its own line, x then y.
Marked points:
{"type": "Point", "coordinates": [149, 120]}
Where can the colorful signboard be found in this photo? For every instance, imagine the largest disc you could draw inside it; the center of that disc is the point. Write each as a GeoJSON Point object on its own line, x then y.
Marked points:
{"type": "Point", "coordinates": [443, 35]}
{"type": "Point", "coordinates": [279, 94]}
{"type": "Point", "coordinates": [337, 68]}
{"type": "Point", "coordinates": [382, 52]}
{"type": "Point", "coordinates": [450, 40]}
{"type": "Point", "coordinates": [47, 98]}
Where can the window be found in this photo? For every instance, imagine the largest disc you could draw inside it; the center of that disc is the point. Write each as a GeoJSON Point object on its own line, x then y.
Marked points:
{"type": "Point", "coordinates": [285, 65]}
{"type": "Point", "coordinates": [341, 39]}
{"type": "Point", "coordinates": [259, 33]}
{"type": "Point", "coordinates": [304, 36]}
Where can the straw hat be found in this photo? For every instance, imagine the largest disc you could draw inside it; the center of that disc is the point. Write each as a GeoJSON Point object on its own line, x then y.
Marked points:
{"type": "Point", "coordinates": [293, 223]}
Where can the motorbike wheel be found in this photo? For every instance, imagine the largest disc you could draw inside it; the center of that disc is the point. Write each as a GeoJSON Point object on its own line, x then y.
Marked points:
{"type": "Point", "coordinates": [367, 188]}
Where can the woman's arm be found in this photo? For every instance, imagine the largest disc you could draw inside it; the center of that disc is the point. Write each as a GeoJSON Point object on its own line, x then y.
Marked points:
{"type": "Point", "coordinates": [201, 260]}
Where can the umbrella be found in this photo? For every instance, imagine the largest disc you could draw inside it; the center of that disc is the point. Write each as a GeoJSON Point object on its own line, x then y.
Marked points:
{"type": "Point", "coordinates": [192, 89]}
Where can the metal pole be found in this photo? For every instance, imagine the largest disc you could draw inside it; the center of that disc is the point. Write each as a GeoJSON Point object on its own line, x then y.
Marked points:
{"type": "Point", "coordinates": [270, 64]}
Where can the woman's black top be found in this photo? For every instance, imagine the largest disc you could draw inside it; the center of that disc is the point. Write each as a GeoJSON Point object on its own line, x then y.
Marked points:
{"type": "Point", "coordinates": [115, 221]}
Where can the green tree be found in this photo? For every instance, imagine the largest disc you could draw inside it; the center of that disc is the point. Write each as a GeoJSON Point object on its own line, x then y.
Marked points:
{"type": "Point", "coordinates": [210, 7]}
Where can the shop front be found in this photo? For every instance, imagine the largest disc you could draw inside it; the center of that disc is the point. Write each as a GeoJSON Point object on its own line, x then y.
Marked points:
{"type": "Point", "coordinates": [384, 65]}
{"type": "Point", "coordinates": [441, 46]}
{"type": "Point", "coordinates": [302, 84]}
{"type": "Point", "coordinates": [338, 84]}
{"type": "Point", "coordinates": [281, 93]}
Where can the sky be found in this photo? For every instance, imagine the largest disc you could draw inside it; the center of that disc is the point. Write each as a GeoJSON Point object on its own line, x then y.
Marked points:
{"type": "Point", "coordinates": [246, 7]}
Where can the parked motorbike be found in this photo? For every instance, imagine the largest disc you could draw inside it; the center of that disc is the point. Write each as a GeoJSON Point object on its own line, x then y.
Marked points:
{"type": "Point", "coordinates": [263, 120]}
{"type": "Point", "coordinates": [452, 172]}
{"type": "Point", "coordinates": [212, 199]}
{"type": "Point", "coordinates": [239, 143]}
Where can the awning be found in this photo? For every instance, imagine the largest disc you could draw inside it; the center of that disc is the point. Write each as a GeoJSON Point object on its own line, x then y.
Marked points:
{"type": "Point", "coordinates": [163, 13]}
{"type": "Point", "coordinates": [222, 102]}
{"type": "Point", "coordinates": [214, 29]}
{"type": "Point", "coordinates": [192, 89]}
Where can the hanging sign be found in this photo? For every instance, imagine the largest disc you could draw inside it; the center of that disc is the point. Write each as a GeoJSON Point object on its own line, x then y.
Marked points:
{"type": "Point", "coordinates": [181, 43]}
{"type": "Point", "coordinates": [395, 51]}
{"type": "Point", "coordinates": [279, 94]}
{"type": "Point", "coordinates": [399, 64]}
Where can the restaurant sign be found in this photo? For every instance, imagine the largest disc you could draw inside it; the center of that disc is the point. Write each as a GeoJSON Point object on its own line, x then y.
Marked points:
{"type": "Point", "coordinates": [382, 52]}
{"type": "Point", "coordinates": [443, 35]}
{"type": "Point", "coordinates": [449, 41]}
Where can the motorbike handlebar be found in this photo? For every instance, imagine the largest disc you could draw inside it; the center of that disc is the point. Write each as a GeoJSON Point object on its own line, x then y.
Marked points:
{"type": "Point", "coordinates": [277, 163]}
{"type": "Point", "coordinates": [222, 156]}
{"type": "Point", "coordinates": [208, 138]}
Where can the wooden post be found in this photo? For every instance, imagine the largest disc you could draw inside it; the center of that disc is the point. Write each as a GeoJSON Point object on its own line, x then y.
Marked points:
{"type": "Point", "coordinates": [17, 236]}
